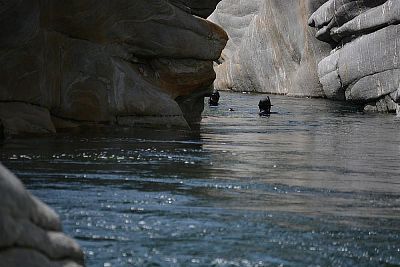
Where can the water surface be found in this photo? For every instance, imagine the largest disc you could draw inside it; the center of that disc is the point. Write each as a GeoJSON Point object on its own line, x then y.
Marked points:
{"type": "Point", "coordinates": [317, 184]}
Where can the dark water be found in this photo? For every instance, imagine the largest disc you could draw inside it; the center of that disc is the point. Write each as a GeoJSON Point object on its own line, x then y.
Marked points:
{"type": "Point", "coordinates": [317, 184]}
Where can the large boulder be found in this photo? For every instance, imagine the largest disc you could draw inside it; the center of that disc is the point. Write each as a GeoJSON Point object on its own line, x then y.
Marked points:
{"type": "Point", "coordinates": [270, 49]}
{"type": "Point", "coordinates": [30, 232]}
{"type": "Point", "coordinates": [109, 61]}
{"type": "Point", "coordinates": [364, 65]}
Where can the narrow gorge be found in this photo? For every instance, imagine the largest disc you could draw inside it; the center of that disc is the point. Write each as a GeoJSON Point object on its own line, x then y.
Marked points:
{"type": "Point", "coordinates": [353, 53]}
{"type": "Point", "coordinates": [102, 117]}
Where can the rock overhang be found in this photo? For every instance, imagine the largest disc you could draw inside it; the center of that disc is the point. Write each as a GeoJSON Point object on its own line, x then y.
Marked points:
{"type": "Point", "coordinates": [86, 61]}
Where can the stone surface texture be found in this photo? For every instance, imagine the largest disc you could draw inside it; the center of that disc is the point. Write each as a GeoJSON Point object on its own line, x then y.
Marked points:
{"type": "Point", "coordinates": [364, 66]}
{"type": "Point", "coordinates": [354, 57]}
{"type": "Point", "coordinates": [94, 61]}
{"type": "Point", "coordinates": [271, 49]}
{"type": "Point", "coordinates": [30, 232]}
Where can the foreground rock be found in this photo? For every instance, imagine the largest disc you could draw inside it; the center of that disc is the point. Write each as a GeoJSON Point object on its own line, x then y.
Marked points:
{"type": "Point", "coordinates": [85, 61]}
{"type": "Point", "coordinates": [30, 232]}
{"type": "Point", "coordinates": [271, 49]}
{"type": "Point", "coordinates": [364, 67]}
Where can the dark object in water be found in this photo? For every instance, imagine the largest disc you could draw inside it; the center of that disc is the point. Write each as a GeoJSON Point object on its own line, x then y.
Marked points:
{"type": "Point", "coordinates": [265, 106]}
{"type": "Point", "coordinates": [231, 109]}
{"type": "Point", "coordinates": [214, 98]}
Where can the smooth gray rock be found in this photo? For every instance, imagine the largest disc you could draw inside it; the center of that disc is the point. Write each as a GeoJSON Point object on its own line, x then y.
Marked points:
{"type": "Point", "coordinates": [91, 62]}
{"type": "Point", "coordinates": [375, 86]}
{"type": "Point", "coordinates": [18, 257]}
{"type": "Point", "coordinates": [30, 232]}
{"type": "Point", "coordinates": [365, 63]}
{"type": "Point", "coordinates": [374, 18]}
{"type": "Point", "coordinates": [270, 48]}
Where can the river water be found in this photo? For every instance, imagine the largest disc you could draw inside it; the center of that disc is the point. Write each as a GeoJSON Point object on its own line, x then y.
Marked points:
{"type": "Point", "coordinates": [317, 184]}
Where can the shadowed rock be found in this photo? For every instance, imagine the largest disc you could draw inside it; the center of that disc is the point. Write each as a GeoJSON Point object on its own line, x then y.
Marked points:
{"type": "Point", "coordinates": [90, 61]}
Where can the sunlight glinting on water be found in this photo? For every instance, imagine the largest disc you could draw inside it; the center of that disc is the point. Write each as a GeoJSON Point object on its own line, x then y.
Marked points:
{"type": "Point", "coordinates": [318, 183]}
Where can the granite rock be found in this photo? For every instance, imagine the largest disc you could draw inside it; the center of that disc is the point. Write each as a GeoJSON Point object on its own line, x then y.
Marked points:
{"type": "Point", "coordinates": [354, 57]}
{"type": "Point", "coordinates": [22, 118]}
{"type": "Point", "coordinates": [86, 61]}
{"type": "Point", "coordinates": [364, 65]}
{"type": "Point", "coordinates": [270, 49]}
{"type": "Point", "coordinates": [30, 232]}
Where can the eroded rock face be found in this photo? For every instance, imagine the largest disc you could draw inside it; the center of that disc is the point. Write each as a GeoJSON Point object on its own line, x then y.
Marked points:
{"type": "Point", "coordinates": [30, 232]}
{"type": "Point", "coordinates": [271, 49]}
{"type": "Point", "coordinates": [108, 61]}
{"type": "Point", "coordinates": [365, 65]}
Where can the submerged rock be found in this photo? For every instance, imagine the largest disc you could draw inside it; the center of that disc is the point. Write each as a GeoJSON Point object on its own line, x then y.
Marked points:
{"type": "Point", "coordinates": [365, 64]}
{"type": "Point", "coordinates": [30, 232]}
{"type": "Point", "coordinates": [90, 61]}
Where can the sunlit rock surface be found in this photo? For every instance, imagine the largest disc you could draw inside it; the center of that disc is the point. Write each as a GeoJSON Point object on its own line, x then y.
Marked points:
{"type": "Point", "coordinates": [271, 48]}
{"type": "Point", "coordinates": [85, 61]}
{"type": "Point", "coordinates": [364, 66]}
{"type": "Point", "coordinates": [30, 232]}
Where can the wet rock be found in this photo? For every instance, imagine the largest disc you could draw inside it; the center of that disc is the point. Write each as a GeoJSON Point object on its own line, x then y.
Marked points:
{"type": "Point", "coordinates": [93, 62]}
{"type": "Point", "coordinates": [365, 63]}
{"type": "Point", "coordinates": [22, 118]}
{"type": "Point", "coordinates": [30, 232]}
{"type": "Point", "coordinates": [270, 48]}
{"type": "Point", "coordinates": [384, 105]}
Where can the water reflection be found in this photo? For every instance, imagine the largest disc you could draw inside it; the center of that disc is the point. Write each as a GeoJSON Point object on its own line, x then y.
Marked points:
{"type": "Point", "coordinates": [318, 183]}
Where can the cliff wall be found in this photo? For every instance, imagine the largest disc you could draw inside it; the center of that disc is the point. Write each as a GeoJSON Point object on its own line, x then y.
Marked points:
{"type": "Point", "coordinates": [364, 65]}
{"type": "Point", "coordinates": [64, 63]}
{"type": "Point", "coordinates": [271, 48]}
{"type": "Point", "coordinates": [30, 232]}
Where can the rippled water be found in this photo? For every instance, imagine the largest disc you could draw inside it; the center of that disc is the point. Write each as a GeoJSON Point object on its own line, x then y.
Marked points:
{"type": "Point", "coordinates": [316, 184]}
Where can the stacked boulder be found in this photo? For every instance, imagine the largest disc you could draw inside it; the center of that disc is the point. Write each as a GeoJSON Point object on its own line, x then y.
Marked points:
{"type": "Point", "coordinates": [30, 232]}
{"type": "Point", "coordinates": [68, 62]}
{"type": "Point", "coordinates": [364, 65]}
